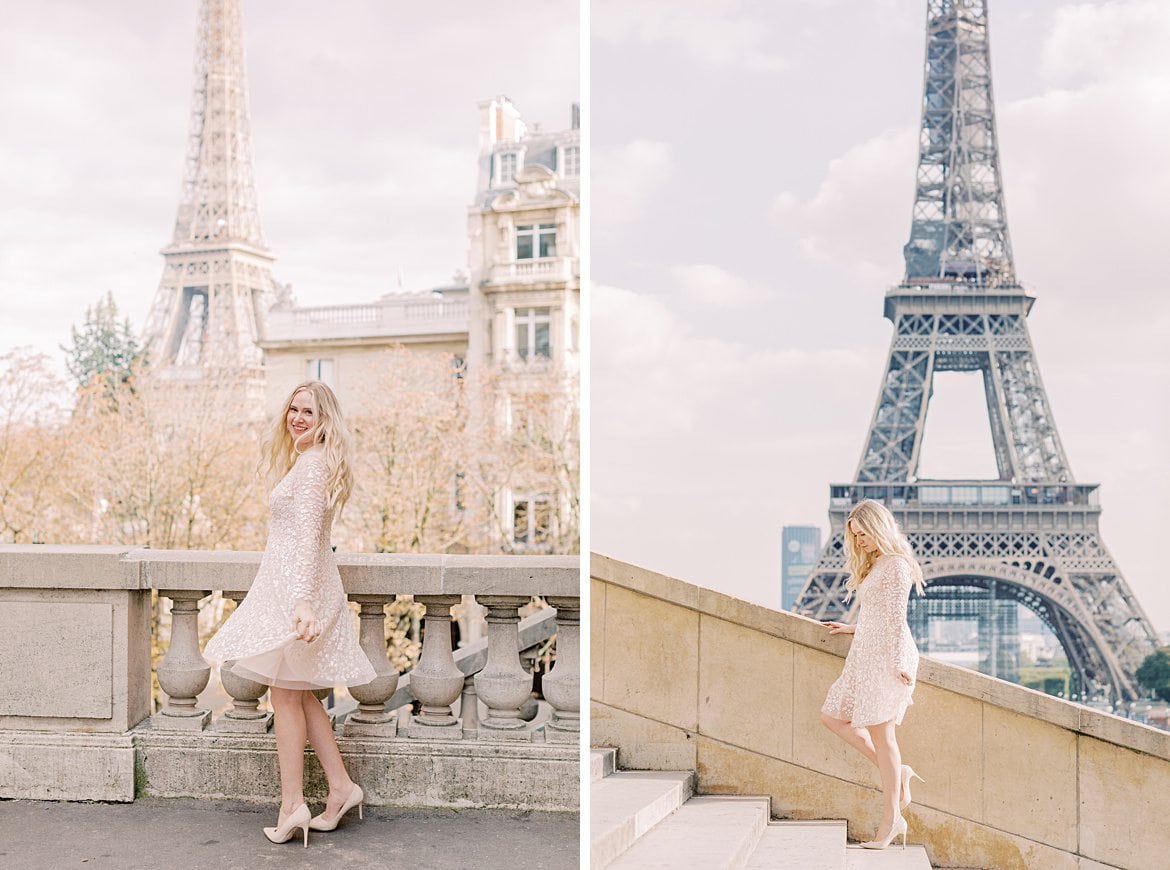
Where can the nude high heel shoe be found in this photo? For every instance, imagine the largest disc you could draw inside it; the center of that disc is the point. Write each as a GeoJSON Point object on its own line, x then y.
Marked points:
{"type": "Point", "coordinates": [907, 775]}
{"type": "Point", "coordinates": [355, 799]}
{"type": "Point", "coordinates": [298, 818]}
{"type": "Point", "coordinates": [899, 827]}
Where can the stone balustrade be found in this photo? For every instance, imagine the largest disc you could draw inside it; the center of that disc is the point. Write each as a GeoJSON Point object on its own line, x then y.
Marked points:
{"type": "Point", "coordinates": [408, 314]}
{"type": "Point", "coordinates": [75, 635]}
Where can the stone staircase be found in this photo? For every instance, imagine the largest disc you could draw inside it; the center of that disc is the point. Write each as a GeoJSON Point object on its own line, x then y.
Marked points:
{"type": "Point", "coordinates": [650, 819]}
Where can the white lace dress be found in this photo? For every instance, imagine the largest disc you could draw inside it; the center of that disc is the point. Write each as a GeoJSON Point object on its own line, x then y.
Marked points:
{"type": "Point", "coordinates": [297, 565]}
{"type": "Point", "coordinates": [869, 692]}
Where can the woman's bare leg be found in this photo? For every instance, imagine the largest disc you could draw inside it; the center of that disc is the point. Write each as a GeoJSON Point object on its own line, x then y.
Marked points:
{"type": "Point", "coordinates": [858, 738]}
{"type": "Point", "coordinates": [325, 745]}
{"type": "Point", "coordinates": [289, 725]}
{"type": "Point", "coordinates": [889, 762]}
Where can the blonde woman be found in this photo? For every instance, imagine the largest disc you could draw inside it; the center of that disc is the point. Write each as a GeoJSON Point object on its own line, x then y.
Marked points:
{"type": "Point", "coordinates": [870, 697]}
{"type": "Point", "coordinates": [293, 632]}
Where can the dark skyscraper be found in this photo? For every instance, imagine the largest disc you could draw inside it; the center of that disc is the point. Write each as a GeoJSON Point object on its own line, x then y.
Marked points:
{"type": "Point", "coordinates": [801, 547]}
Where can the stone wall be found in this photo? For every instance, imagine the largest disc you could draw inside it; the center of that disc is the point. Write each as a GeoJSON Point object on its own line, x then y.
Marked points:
{"type": "Point", "coordinates": [683, 677]}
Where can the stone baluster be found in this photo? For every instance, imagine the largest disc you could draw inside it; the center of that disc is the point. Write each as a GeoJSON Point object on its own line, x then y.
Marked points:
{"type": "Point", "coordinates": [245, 714]}
{"type": "Point", "coordinates": [371, 718]}
{"type": "Point", "coordinates": [183, 673]}
{"type": "Point", "coordinates": [436, 681]}
{"type": "Point", "coordinates": [562, 685]}
{"type": "Point", "coordinates": [503, 683]}
{"type": "Point", "coordinates": [469, 708]}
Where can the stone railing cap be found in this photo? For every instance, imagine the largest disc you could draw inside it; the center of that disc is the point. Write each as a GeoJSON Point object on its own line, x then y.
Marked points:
{"type": "Point", "coordinates": [373, 573]}
{"type": "Point", "coordinates": [108, 567]}
{"type": "Point", "coordinates": [63, 566]}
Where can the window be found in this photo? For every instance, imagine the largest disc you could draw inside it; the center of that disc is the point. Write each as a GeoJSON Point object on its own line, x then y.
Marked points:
{"type": "Point", "coordinates": [527, 415]}
{"type": "Point", "coordinates": [536, 240]}
{"type": "Point", "coordinates": [320, 370]}
{"type": "Point", "coordinates": [506, 167]}
{"type": "Point", "coordinates": [571, 157]}
{"type": "Point", "coordinates": [532, 329]}
{"type": "Point", "coordinates": [531, 520]}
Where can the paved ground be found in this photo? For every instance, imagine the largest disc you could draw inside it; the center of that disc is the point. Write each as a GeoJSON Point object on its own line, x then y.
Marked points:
{"type": "Point", "coordinates": [179, 834]}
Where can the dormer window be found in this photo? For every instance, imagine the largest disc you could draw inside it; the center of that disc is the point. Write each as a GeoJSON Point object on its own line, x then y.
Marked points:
{"type": "Point", "coordinates": [536, 240]}
{"type": "Point", "coordinates": [507, 163]}
{"type": "Point", "coordinates": [571, 161]}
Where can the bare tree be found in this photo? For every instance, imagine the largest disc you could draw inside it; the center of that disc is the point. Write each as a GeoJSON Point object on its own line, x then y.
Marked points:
{"type": "Point", "coordinates": [170, 464]}
{"type": "Point", "coordinates": [32, 448]}
{"type": "Point", "coordinates": [411, 439]}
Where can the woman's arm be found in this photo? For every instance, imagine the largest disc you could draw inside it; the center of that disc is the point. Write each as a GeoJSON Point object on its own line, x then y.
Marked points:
{"type": "Point", "coordinates": [309, 505]}
{"type": "Point", "coordinates": [839, 627]}
{"type": "Point", "coordinates": [889, 602]}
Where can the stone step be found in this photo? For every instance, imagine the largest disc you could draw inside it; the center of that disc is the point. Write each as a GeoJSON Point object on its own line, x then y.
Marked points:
{"type": "Point", "coordinates": [803, 845]}
{"type": "Point", "coordinates": [602, 762]}
{"type": "Point", "coordinates": [913, 857]}
{"type": "Point", "coordinates": [625, 805]}
{"type": "Point", "coordinates": [706, 833]}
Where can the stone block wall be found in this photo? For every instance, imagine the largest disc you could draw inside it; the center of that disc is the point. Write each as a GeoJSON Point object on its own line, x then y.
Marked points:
{"type": "Point", "coordinates": [683, 677]}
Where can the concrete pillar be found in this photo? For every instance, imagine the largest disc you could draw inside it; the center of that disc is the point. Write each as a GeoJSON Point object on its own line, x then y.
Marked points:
{"type": "Point", "coordinates": [562, 685]}
{"type": "Point", "coordinates": [371, 718]}
{"type": "Point", "coordinates": [436, 680]}
{"type": "Point", "coordinates": [183, 673]}
{"type": "Point", "coordinates": [503, 683]}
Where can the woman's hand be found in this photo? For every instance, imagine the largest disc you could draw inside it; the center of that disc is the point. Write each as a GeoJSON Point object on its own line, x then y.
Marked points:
{"type": "Point", "coordinates": [305, 623]}
{"type": "Point", "coordinates": [840, 628]}
{"type": "Point", "coordinates": [905, 678]}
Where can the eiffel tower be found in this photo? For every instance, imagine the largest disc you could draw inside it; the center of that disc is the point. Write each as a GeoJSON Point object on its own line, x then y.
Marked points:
{"type": "Point", "coordinates": [1030, 536]}
{"type": "Point", "coordinates": [216, 288]}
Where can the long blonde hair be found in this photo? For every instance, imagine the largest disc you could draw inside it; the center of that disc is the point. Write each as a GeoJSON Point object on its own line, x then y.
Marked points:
{"type": "Point", "coordinates": [278, 451]}
{"type": "Point", "coordinates": [875, 520]}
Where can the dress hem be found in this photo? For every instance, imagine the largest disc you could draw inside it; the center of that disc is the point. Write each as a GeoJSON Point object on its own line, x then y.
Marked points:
{"type": "Point", "coordinates": [270, 668]}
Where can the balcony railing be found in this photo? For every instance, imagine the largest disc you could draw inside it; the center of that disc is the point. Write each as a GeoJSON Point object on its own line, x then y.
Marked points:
{"type": "Point", "coordinates": [390, 317]}
{"type": "Point", "coordinates": [537, 270]}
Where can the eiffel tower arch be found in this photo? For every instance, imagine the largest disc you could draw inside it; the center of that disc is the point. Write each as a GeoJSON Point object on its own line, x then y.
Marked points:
{"type": "Point", "coordinates": [210, 308]}
{"type": "Point", "coordinates": [1031, 536]}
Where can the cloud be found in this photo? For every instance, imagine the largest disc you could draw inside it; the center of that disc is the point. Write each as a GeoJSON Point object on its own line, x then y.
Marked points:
{"type": "Point", "coordinates": [1090, 41]}
{"type": "Point", "coordinates": [624, 178]}
{"type": "Point", "coordinates": [859, 217]}
{"type": "Point", "coordinates": [713, 286]}
{"type": "Point", "coordinates": [721, 33]}
{"type": "Point", "coordinates": [698, 443]}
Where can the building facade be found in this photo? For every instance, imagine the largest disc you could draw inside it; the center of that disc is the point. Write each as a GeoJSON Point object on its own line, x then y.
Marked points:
{"type": "Point", "coordinates": [513, 321]}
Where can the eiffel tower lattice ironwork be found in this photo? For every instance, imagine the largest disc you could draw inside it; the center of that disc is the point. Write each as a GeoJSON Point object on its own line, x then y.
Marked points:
{"type": "Point", "coordinates": [1031, 536]}
{"type": "Point", "coordinates": [216, 289]}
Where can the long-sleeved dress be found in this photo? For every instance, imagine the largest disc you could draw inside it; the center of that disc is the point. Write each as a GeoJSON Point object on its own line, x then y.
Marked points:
{"type": "Point", "coordinates": [297, 565]}
{"type": "Point", "coordinates": [869, 691]}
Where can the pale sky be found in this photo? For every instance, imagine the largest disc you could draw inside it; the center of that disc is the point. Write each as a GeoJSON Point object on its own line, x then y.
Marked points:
{"type": "Point", "coordinates": [364, 131]}
{"type": "Point", "coordinates": [753, 172]}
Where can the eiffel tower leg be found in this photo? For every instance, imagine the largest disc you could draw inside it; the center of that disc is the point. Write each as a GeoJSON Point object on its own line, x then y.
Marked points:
{"type": "Point", "coordinates": [891, 451]}
{"type": "Point", "coordinates": [1034, 441]}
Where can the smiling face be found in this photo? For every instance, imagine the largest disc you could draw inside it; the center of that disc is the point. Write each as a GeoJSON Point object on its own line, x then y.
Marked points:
{"type": "Point", "coordinates": [861, 540]}
{"type": "Point", "coordinates": [302, 416]}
